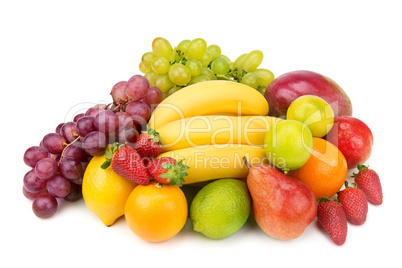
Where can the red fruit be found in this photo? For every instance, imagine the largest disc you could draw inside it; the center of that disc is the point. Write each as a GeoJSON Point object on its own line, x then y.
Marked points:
{"type": "Point", "coordinates": [149, 145]}
{"type": "Point", "coordinates": [369, 182]}
{"type": "Point", "coordinates": [284, 89]}
{"type": "Point", "coordinates": [353, 138]}
{"type": "Point", "coordinates": [354, 203]}
{"type": "Point", "coordinates": [167, 170]}
{"type": "Point", "coordinates": [332, 218]}
{"type": "Point", "coordinates": [126, 162]}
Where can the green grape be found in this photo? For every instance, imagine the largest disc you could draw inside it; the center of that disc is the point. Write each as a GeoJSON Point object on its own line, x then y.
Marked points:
{"type": "Point", "coordinates": [143, 68]}
{"type": "Point", "coordinates": [147, 58]}
{"type": "Point", "coordinates": [226, 57]}
{"type": "Point", "coordinates": [162, 48]}
{"type": "Point", "coordinates": [265, 76]}
{"type": "Point", "coordinates": [215, 51]}
{"type": "Point", "coordinates": [197, 79]}
{"type": "Point", "coordinates": [179, 74]}
{"type": "Point", "coordinates": [262, 90]}
{"type": "Point", "coordinates": [239, 61]}
{"type": "Point", "coordinates": [160, 65]}
{"type": "Point", "coordinates": [251, 80]}
{"type": "Point", "coordinates": [195, 49]}
{"type": "Point", "coordinates": [182, 46]}
{"type": "Point", "coordinates": [231, 65]}
{"type": "Point", "coordinates": [252, 60]}
{"type": "Point", "coordinates": [195, 67]}
{"type": "Point", "coordinates": [163, 82]}
{"type": "Point", "coordinates": [220, 66]}
{"type": "Point", "coordinates": [207, 73]}
{"type": "Point", "coordinates": [175, 57]}
{"type": "Point", "coordinates": [150, 76]}
{"type": "Point", "coordinates": [206, 58]}
{"type": "Point", "coordinates": [174, 89]}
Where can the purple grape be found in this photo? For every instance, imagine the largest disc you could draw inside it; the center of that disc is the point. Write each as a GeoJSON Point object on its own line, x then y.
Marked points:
{"type": "Point", "coordinates": [32, 183]}
{"type": "Point", "coordinates": [139, 111]}
{"type": "Point", "coordinates": [124, 119]}
{"type": "Point", "coordinates": [127, 134]}
{"type": "Point", "coordinates": [54, 143]}
{"type": "Point", "coordinates": [74, 194]}
{"type": "Point", "coordinates": [30, 195]}
{"type": "Point", "coordinates": [58, 186]}
{"type": "Point", "coordinates": [85, 125]}
{"type": "Point", "coordinates": [154, 97]}
{"type": "Point", "coordinates": [76, 152]}
{"type": "Point", "coordinates": [119, 92]}
{"type": "Point", "coordinates": [33, 154]}
{"type": "Point", "coordinates": [137, 87]}
{"type": "Point", "coordinates": [106, 122]}
{"type": "Point", "coordinates": [58, 128]}
{"type": "Point", "coordinates": [78, 116]}
{"type": "Point", "coordinates": [70, 167]}
{"type": "Point", "coordinates": [44, 206]}
{"type": "Point", "coordinates": [68, 131]}
{"type": "Point", "coordinates": [94, 143]}
{"type": "Point", "coordinates": [93, 111]}
{"type": "Point", "coordinates": [46, 168]}
{"type": "Point", "coordinates": [80, 178]}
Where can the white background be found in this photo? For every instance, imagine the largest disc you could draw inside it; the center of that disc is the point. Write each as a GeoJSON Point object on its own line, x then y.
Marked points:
{"type": "Point", "coordinates": [56, 55]}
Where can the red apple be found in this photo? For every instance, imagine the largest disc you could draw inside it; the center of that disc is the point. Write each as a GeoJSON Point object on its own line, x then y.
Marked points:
{"type": "Point", "coordinates": [284, 89]}
{"type": "Point", "coordinates": [353, 138]}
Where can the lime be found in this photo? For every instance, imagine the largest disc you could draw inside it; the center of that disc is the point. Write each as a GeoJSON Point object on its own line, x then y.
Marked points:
{"type": "Point", "coordinates": [288, 144]}
{"type": "Point", "coordinates": [313, 111]}
{"type": "Point", "coordinates": [221, 208]}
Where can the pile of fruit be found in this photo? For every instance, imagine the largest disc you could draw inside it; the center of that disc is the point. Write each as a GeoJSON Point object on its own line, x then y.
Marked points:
{"type": "Point", "coordinates": [199, 135]}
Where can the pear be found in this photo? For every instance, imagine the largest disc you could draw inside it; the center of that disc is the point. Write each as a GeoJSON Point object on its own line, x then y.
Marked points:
{"type": "Point", "coordinates": [283, 206]}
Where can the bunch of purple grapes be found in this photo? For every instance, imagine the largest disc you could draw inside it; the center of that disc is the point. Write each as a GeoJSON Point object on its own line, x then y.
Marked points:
{"type": "Point", "coordinates": [59, 162]}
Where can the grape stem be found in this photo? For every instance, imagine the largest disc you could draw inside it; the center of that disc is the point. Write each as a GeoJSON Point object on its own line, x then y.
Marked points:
{"type": "Point", "coordinates": [67, 145]}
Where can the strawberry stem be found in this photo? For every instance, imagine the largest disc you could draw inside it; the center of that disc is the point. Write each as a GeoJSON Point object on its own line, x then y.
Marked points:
{"type": "Point", "coordinates": [110, 152]}
{"type": "Point", "coordinates": [175, 172]}
{"type": "Point", "coordinates": [153, 135]}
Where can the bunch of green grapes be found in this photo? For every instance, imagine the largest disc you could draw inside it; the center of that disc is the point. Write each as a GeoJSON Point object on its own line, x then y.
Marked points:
{"type": "Point", "coordinates": [193, 61]}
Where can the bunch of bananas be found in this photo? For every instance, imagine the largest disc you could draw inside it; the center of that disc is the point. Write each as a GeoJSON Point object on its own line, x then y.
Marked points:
{"type": "Point", "coordinates": [213, 125]}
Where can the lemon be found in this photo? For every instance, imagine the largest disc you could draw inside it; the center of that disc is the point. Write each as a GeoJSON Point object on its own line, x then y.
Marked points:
{"type": "Point", "coordinates": [220, 208]}
{"type": "Point", "coordinates": [313, 111]}
{"type": "Point", "coordinates": [104, 192]}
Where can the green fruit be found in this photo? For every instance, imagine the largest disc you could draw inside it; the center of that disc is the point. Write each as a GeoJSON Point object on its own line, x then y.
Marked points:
{"type": "Point", "coordinates": [313, 111]}
{"type": "Point", "coordinates": [221, 208]}
{"type": "Point", "coordinates": [288, 144]}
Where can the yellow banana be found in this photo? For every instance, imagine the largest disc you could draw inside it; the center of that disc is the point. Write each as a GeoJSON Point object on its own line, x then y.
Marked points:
{"type": "Point", "coordinates": [217, 161]}
{"type": "Point", "coordinates": [215, 129]}
{"type": "Point", "coordinates": [206, 98]}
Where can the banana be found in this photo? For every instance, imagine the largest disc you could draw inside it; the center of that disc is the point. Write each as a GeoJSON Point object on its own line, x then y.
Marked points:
{"type": "Point", "coordinates": [211, 162]}
{"type": "Point", "coordinates": [210, 97]}
{"type": "Point", "coordinates": [215, 129]}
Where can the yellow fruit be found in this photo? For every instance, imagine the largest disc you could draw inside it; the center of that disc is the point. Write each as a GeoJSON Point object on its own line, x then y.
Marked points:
{"type": "Point", "coordinates": [206, 98]}
{"type": "Point", "coordinates": [313, 111]}
{"type": "Point", "coordinates": [104, 192]}
{"type": "Point", "coordinates": [215, 129]}
{"type": "Point", "coordinates": [217, 161]}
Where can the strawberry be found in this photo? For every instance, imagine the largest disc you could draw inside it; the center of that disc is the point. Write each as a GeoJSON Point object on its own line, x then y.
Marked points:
{"type": "Point", "coordinates": [167, 170]}
{"type": "Point", "coordinates": [354, 203]}
{"type": "Point", "coordinates": [332, 218]}
{"type": "Point", "coordinates": [369, 181]}
{"type": "Point", "coordinates": [148, 145]}
{"type": "Point", "coordinates": [126, 162]}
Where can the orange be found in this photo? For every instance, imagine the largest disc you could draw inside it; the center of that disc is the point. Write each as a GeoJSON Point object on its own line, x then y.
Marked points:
{"type": "Point", "coordinates": [156, 212]}
{"type": "Point", "coordinates": [325, 171]}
